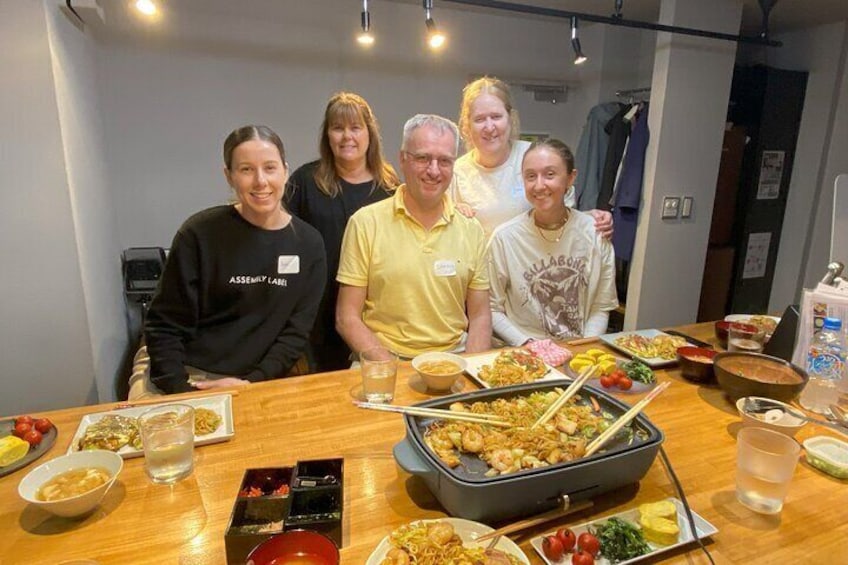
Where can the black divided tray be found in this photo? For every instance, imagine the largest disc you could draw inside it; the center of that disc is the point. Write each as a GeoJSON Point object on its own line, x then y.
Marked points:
{"type": "Point", "coordinates": [273, 500]}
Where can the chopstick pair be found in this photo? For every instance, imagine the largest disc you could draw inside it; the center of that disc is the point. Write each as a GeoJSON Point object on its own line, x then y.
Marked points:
{"type": "Point", "coordinates": [541, 519]}
{"type": "Point", "coordinates": [572, 389]}
{"type": "Point", "coordinates": [625, 419]}
{"type": "Point", "coordinates": [172, 398]}
{"type": "Point", "coordinates": [490, 419]}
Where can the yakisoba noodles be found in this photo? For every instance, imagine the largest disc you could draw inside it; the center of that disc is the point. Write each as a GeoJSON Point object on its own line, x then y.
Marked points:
{"type": "Point", "coordinates": [507, 450]}
{"type": "Point", "coordinates": [514, 366]}
{"type": "Point", "coordinates": [206, 421]}
{"type": "Point", "coordinates": [435, 543]}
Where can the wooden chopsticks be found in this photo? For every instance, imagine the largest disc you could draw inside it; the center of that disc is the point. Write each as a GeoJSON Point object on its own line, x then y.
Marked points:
{"type": "Point", "coordinates": [572, 389]}
{"type": "Point", "coordinates": [172, 398]}
{"type": "Point", "coordinates": [490, 419]}
{"type": "Point", "coordinates": [599, 441]}
{"type": "Point", "coordinates": [530, 522]}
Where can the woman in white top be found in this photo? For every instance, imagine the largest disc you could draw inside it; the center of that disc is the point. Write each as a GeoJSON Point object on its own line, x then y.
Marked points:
{"type": "Point", "coordinates": [551, 272]}
{"type": "Point", "coordinates": [487, 179]}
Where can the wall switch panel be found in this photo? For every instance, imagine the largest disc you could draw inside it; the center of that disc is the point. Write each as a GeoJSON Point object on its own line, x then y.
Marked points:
{"type": "Point", "coordinates": [686, 207]}
{"type": "Point", "coordinates": [671, 207]}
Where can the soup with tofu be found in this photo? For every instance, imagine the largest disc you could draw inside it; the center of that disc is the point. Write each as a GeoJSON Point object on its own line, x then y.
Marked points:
{"type": "Point", "coordinates": [763, 370]}
{"type": "Point", "coordinates": [72, 483]}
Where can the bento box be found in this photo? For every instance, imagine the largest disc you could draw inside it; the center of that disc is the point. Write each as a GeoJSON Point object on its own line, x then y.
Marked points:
{"type": "Point", "coordinates": [273, 500]}
{"type": "Point", "coordinates": [466, 491]}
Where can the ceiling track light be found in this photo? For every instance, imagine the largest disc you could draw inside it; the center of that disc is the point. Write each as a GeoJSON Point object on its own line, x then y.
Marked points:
{"type": "Point", "coordinates": [579, 57]}
{"type": "Point", "coordinates": [435, 38]}
{"type": "Point", "coordinates": [146, 7]}
{"type": "Point", "coordinates": [365, 36]}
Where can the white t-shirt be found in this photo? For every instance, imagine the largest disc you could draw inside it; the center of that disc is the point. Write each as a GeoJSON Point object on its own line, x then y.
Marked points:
{"type": "Point", "coordinates": [496, 194]}
{"type": "Point", "coordinates": [546, 289]}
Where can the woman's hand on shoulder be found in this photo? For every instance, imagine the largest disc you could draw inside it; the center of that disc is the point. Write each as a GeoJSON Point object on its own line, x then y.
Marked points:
{"type": "Point", "coordinates": [467, 210]}
{"type": "Point", "coordinates": [220, 383]}
{"type": "Point", "coordinates": [603, 223]}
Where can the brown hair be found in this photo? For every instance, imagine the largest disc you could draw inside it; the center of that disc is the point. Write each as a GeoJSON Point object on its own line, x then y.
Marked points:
{"type": "Point", "coordinates": [248, 133]}
{"type": "Point", "coordinates": [557, 147]}
{"type": "Point", "coordinates": [486, 85]}
{"type": "Point", "coordinates": [347, 107]}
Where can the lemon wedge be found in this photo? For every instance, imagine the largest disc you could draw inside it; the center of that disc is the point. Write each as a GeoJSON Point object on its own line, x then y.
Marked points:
{"type": "Point", "coordinates": [12, 449]}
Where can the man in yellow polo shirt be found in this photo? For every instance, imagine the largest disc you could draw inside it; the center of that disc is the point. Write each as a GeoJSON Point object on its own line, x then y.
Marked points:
{"type": "Point", "coordinates": [413, 270]}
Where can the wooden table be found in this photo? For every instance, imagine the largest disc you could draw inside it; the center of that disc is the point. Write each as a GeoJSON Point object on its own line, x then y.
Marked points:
{"type": "Point", "coordinates": [312, 417]}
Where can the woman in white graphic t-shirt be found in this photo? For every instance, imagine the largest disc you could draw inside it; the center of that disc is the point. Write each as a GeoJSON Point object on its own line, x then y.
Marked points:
{"type": "Point", "coordinates": [552, 274]}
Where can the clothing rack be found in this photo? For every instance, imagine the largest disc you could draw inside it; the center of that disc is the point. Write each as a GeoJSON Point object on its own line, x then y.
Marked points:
{"type": "Point", "coordinates": [633, 93]}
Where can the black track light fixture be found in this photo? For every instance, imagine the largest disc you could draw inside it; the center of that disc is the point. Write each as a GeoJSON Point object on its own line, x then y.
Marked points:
{"type": "Point", "coordinates": [579, 57]}
{"type": "Point", "coordinates": [365, 36]}
{"type": "Point", "coordinates": [435, 38]}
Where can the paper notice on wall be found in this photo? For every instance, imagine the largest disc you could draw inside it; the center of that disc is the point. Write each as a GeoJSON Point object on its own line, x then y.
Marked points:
{"type": "Point", "coordinates": [771, 173]}
{"type": "Point", "coordinates": [756, 255]}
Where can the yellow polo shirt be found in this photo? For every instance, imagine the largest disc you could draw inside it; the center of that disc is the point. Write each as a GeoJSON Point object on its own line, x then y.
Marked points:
{"type": "Point", "coordinates": [417, 280]}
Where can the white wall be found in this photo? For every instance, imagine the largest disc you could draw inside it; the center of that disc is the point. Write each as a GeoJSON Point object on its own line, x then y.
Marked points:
{"type": "Point", "coordinates": [804, 241]}
{"type": "Point", "coordinates": [73, 62]}
{"type": "Point", "coordinates": [167, 107]}
{"type": "Point", "coordinates": [689, 93]}
{"type": "Point", "coordinates": [45, 350]}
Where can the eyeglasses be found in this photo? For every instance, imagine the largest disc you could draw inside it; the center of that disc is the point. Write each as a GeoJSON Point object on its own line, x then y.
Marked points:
{"type": "Point", "coordinates": [424, 159]}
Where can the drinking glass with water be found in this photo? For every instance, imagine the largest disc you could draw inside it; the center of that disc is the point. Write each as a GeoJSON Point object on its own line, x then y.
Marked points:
{"type": "Point", "coordinates": [167, 434]}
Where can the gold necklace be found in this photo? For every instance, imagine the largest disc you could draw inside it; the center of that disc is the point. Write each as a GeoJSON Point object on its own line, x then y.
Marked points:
{"type": "Point", "coordinates": [551, 227]}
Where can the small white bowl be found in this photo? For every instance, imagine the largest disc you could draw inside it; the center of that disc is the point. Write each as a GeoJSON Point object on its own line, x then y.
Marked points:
{"type": "Point", "coordinates": [439, 382]}
{"type": "Point", "coordinates": [75, 505]}
{"type": "Point", "coordinates": [780, 417]}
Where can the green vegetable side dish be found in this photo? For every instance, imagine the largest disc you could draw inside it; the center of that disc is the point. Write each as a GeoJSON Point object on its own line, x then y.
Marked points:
{"type": "Point", "coordinates": [638, 371]}
{"type": "Point", "coordinates": [620, 540]}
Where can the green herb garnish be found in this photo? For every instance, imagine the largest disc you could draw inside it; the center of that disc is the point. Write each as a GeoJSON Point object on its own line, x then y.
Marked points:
{"type": "Point", "coordinates": [638, 371]}
{"type": "Point", "coordinates": [620, 540]}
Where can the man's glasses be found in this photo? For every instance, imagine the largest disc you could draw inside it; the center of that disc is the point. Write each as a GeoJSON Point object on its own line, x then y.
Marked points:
{"type": "Point", "coordinates": [424, 159]}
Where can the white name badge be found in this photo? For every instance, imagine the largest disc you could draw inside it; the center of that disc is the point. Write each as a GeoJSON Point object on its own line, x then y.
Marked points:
{"type": "Point", "coordinates": [288, 264]}
{"type": "Point", "coordinates": [444, 268]}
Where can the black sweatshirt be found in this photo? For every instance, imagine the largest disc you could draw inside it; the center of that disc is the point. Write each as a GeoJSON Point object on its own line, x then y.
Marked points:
{"type": "Point", "coordinates": [234, 299]}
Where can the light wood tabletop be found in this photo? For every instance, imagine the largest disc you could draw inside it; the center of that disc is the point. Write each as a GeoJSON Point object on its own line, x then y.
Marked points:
{"type": "Point", "coordinates": [312, 417]}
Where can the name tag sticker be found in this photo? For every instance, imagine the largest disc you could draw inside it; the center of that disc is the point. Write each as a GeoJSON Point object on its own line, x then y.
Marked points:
{"type": "Point", "coordinates": [288, 264]}
{"type": "Point", "coordinates": [444, 268]}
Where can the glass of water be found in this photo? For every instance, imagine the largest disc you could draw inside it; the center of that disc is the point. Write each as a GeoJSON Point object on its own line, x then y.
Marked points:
{"type": "Point", "coordinates": [167, 433]}
{"type": "Point", "coordinates": [765, 464]}
{"type": "Point", "coordinates": [379, 373]}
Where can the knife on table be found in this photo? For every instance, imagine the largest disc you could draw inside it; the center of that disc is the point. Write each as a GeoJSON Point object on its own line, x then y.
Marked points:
{"type": "Point", "coordinates": [690, 339]}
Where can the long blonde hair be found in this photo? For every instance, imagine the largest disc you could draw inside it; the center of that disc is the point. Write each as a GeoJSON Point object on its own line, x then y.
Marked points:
{"type": "Point", "coordinates": [486, 85]}
{"type": "Point", "coordinates": [347, 107]}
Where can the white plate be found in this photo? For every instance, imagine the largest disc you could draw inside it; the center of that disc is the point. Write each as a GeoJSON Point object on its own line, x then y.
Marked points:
{"type": "Point", "coordinates": [220, 403]}
{"type": "Point", "coordinates": [467, 530]}
{"type": "Point", "coordinates": [745, 317]}
{"type": "Point", "coordinates": [652, 362]}
{"type": "Point", "coordinates": [702, 527]}
{"type": "Point", "coordinates": [476, 362]}
{"type": "Point", "coordinates": [637, 388]}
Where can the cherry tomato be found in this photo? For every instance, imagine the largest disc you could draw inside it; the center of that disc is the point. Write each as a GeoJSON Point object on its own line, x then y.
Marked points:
{"type": "Point", "coordinates": [33, 437]}
{"type": "Point", "coordinates": [43, 425]}
{"type": "Point", "coordinates": [22, 428]}
{"type": "Point", "coordinates": [24, 420]}
{"type": "Point", "coordinates": [617, 375]}
{"type": "Point", "coordinates": [567, 538]}
{"type": "Point", "coordinates": [552, 548]}
{"type": "Point", "coordinates": [582, 558]}
{"type": "Point", "coordinates": [607, 381]}
{"type": "Point", "coordinates": [588, 543]}
{"type": "Point", "coordinates": [624, 383]}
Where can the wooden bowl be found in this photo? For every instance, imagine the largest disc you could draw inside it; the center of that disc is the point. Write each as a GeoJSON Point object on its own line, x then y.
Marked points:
{"type": "Point", "coordinates": [692, 364]}
{"type": "Point", "coordinates": [754, 374]}
{"type": "Point", "coordinates": [295, 546]}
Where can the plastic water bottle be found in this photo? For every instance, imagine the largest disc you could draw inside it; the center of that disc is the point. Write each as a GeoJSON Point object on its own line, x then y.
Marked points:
{"type": "Point", "coordinates": [825, 366]}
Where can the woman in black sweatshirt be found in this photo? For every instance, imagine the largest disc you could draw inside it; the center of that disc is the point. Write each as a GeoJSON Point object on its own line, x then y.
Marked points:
{"type": "Point", "coordinates": [241, 286]}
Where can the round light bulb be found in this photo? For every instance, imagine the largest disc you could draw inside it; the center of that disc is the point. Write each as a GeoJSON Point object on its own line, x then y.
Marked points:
{"type": "Point", "coordinates": [146, 7]}
{"type": "Point", "coordinates": [436, 40]}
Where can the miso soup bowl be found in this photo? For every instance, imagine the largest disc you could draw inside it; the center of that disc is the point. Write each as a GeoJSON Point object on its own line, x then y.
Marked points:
{"type": "Point", "coordinates": [439, 382]}
{"type": "Point", "coordinates": [742, 374]}
{"type": "Point", "coordinates": [75, 505]}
